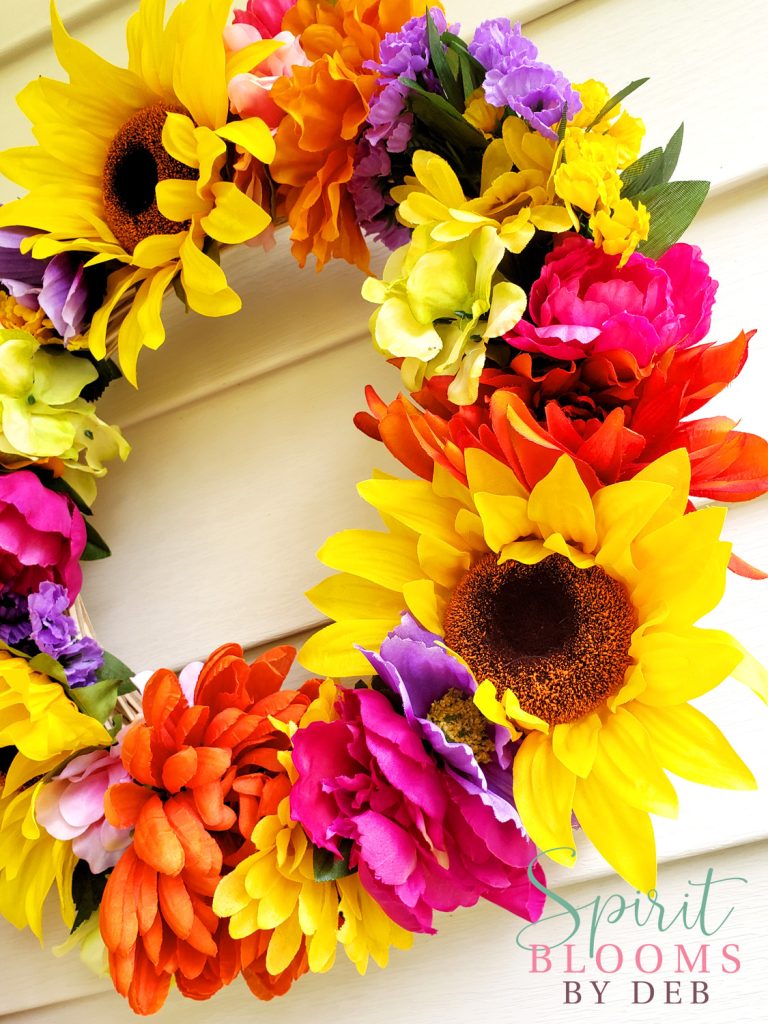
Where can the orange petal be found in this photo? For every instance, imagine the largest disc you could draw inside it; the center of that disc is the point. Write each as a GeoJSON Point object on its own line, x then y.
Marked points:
{"type": "Point", "coordinates": [175, 904]}
{"type": "Point", "coordinates": [123, 803]}
{"type": "Point", "coordinates": [212, 763]}
{"type": "Point", "coordinates": [117, 918]}
{"type": "Point", "coordinates": [155, 841]}
{"type": "Point", "coordinates": [179, 768]}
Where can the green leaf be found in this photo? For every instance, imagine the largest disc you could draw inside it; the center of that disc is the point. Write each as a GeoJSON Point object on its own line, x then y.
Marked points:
{"type": "Point", "coordinates": [643, 174]}
{"type": "Point", "coordinates": [458, 46]}
{"type": "Point", "coordinates": [327, 867]}
{"type": "Point", "coordinates": [672, 153]}
{"type": "Point", "coordinates": [87, 892]}
{"type": "Point", "coordinates": [108, 371]}
{"type": "Point", "coordinates": [615, 100]}
{"type": "Point", "coordinates": [49, 667]}
{"type": "Point", "coordinates": [562, 124]}
{"type": "Point", "coordinates": [113, 668]}
{"type": "Point", "coordinates": [97, 700]}
{"type": "Point", "coordinates": [672, 207]}
{"type": "Point", "coordinates": [438, 115]}
{"type": "Point", "coordinates": [95, 545]}
{"type": "Point", "coordinates": [447, 78]}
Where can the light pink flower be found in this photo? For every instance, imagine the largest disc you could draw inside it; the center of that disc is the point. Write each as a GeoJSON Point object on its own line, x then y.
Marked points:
{"type": "Point", "coordinates": [71, 806]}
{"type": "Point", "coordinates": [249, 92]}
{"type": "Point", "coordinates": [42, 536]}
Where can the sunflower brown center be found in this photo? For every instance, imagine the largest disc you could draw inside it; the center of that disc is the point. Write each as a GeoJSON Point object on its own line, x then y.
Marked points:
{"type": "Point", "coordinates": [557, 635]}
{"type": "Point", "coordinates": [136, 161]}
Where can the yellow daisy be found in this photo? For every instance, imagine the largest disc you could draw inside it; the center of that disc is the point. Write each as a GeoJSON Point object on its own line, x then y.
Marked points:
{"type": "Point", "coordinates": [45, 727]}
{"type": "Point", "coordinates": [275, 888]}
{"type": "Point", "coordinates": [130, 165]}
{"type": "Point", "coordinates": [576, 613]}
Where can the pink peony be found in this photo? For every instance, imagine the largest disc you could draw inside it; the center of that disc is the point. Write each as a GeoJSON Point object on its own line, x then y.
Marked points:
{"type": "Point", "coordinates": [265, 15]}
{"type": "Point", "coordinates": [42, 536]}
{"type": "Point", "coordinates": [71, 806]}
{"type": "Point", "coordinates": [584, 303]}
{"type": "Point", "coordinates": [419, 840]}
{"type": "Point", "coordinates": [249, 92]}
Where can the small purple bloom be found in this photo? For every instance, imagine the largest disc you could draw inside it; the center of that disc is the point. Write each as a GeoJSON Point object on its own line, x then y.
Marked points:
{"type": "Point", "coordinates": [57, 285]}
{"type": "Point", "coordinates": [436, 688]}
{"type": "Point", "coordinates": [53, 631]}
{"type": "Point", "coordinates": [14, 617]}
{"type": "Point", "coordinates": [369, 188]}
{"type": "Point", "coordinates": [534, 91]}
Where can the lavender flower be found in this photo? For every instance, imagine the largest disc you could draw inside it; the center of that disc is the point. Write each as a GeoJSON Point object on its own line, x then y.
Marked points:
{"type": "Point", "coordinates": [516, 79]}
{"type": "Point", "coordinates": [436, 694]}
{"type": "Point", "coordinates": [58, 285]}
{"type": "Point", "coordinates": [14, 617]}
{"type": "Point", "coordinates": [369, 188]}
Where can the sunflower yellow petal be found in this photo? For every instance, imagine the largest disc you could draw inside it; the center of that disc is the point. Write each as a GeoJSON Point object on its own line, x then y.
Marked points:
{"type": "Point", "coordinates": [622, 510]}
{"type": "Point", "coordinates": [575, 744]}
{"type": "Point", "coordinates": [628, 769]}
{"type": "Point", "coordinates": [251, 56]}
{"type": "Point", "coordinates": [679, 665]}
{"type": "Point", "coordinates": [143, 325]}
{"type": "Point", "coordinates": [687, 743]}
{"type": "Point", "coordinates": [235, 217]}
{"type": "Point", "coordinates": [413, 503]}
{"type": "Point", "coordinates": [560, 503]}
{"type": "Point", "coordinates": [488, 703]}
{"type": "Point", "coordinates": [179, 139]}
{"type": "Point", "coordinates": [425, 604]}
{"type": "Point", "coordinates": [155, 250]}
{"type": "Point", "coordinates": [504, 517]}
{"type": "Point", "coordinates": [622, 834]}
{"type": "Point", "coordinates": [527, 551]}
{"type": "Point", "coordinates": [751, 673]}
{"type": "Point", "coordinates": [543, 791]}
{"type": "Point", "coordinates": [205, 284]}
{"type": "Point", "coordinates": [200, 66]}
{"type": "Point", "coordinates": [673, 470]}
{"type": "Point", "coordinates": [178, 200]}
{"type": "Point", "coordinates": [331, 651]}
{"type": "Point", "coordinates": [349, 597]}
{"type": "Point", "coordinates": [382, 558]}
{"type": "Point", "coordinates": [441, 562]}
{"type": "Point", "coordinates": [118, 283]}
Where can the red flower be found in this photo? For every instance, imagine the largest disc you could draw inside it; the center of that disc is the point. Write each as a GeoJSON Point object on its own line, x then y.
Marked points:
{"type": "Point", "coordinates": [203, 776]}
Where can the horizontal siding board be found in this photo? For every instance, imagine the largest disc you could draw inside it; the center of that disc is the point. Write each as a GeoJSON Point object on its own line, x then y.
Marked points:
{"type": "Point", "coordinates": [473, 970]}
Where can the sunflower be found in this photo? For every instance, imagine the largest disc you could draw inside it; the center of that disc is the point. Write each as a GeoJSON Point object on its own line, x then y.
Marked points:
{"type": "Point", "coordinates": [131, 166]}
{"type": "Point", "coordinates": [576, 613]}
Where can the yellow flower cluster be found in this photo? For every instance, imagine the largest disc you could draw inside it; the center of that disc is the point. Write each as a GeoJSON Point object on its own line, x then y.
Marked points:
{"type": "Point", "coordinates": [37, 718]}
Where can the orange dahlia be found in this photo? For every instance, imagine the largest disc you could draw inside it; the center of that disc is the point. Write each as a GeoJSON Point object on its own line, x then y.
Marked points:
{"type": "Point", "coordinates": [201, 772]}
{"type": "Point", "coordinates": [326, 104]}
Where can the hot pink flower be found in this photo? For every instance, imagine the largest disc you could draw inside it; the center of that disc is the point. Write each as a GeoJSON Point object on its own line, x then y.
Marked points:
{"type": "Point", "coordinates": [419, 840]}
{"type": "Point", "coordinates": [71, 806]}
{"type": "Point", "coordinates": [42, 536]}
{"type": "Point", "coordinates": [584, 303]}
{"type": "Point", "coordinates": [249, 92]}
{"type": "Point", "coordinates": [265, 15]}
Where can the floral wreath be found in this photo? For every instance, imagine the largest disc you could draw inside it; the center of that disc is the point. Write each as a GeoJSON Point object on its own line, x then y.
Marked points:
{"type": "Point", "coordinates": [521, 635]}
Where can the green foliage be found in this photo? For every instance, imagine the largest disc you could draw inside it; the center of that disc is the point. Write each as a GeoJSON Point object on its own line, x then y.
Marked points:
{"type": "Point", "coordinates": [87, 891]}
{"type": "Point", "coordinates": [672, 207]}
{"type": "Point", "coordinates": [328, 868]}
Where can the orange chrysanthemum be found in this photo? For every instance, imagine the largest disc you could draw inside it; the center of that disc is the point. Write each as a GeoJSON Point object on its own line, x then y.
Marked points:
{"type": "Point", "coordinates": [326, 104]}
{"type": "Point", "coordinates": [204, 775]}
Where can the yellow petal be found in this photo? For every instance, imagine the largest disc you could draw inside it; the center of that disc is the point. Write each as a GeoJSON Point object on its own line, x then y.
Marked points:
{"type": "Point", "coordinates": [437, 176]}
{"type": "Point", "coordinates": [251, 56]}
{"type": "Point", "coordinates": [179, 139]}
{"type": "Point", "coordinates": [673, 470]}
{"type": "Point", "coordinates": [620, 833]}
{"type": "Point", "coordinates": [349, 597]}
{"type": "Point", "coordinates": [575, 744]}
{"type": "Point", "coordinates": [627, 768]}
{"type": "Point", "coordinates": [441, 562]}
{"type": "Point", "coordinates": [155, 250]}
{"type": "Point", "coordinates": [622, 511]}
{"type": "Point", "coordinates": [331, 651]}
{"type": "Point", "coordinates": [413, 503]}
{"type": "Point", "coordinates": [543, 791]}
{"type": "Point", "coordinates": [143, 324]}
{"type": "Point", "coordinates": [381, 558]}
{"type": "Point", "coordinates": [488, 703]}
{"type": "Point", "coordinates": [200, 62]}
{"type": "Point", "coordinates": [284, 945]}
{"type": "Point", "coordinates": [504, 517]}
{"type": "Point", "coordinates": [688, 744]}
{"type": "Point", "coordinates": [235, 217]}
{"type": "Point", "coordinates": [205, 283]}
{"type": "Point", "coordinates": [178, 200]}
{"type": "Point", "coordinates": [682, 664]}
{"type": "Point", "coordinates": [485, 473]}
{"type": "Point", "coordinates": [424, 604]}
{"type": "Point", "coordinates": [560, 503]}
{"type": "Point", "coordinates": [252, 135]}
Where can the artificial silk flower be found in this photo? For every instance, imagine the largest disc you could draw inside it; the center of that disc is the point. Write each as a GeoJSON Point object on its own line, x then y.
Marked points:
{"type": "Point", "coordinates": [275, 888]}
{"type": "Point", "coordinates": [576, 614]}
{"type": "Point", "coordinates": [130, 167]}
{"type": "Point", "coordinates": [43, 419]}
{"type": "Point", "coordinates": [198, 771]}
{"type": "Point", "coordinates": [326, 105]}
{"type": "Point", "coordinates": [440, 302]}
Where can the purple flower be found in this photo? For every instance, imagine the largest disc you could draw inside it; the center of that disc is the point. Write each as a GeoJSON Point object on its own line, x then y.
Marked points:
{"type": "Point", "coordinates": [369, 188]}
{"type": "Point", "coordinates": [516, 79]}
{"type": "Point", "coordinates": [14, 617]}
{"type": "Point", "coordinates": [57, 285]}
{"type": "Point", "coordinates": [403, 54]}
{"type": "Point", "coordinates": [419, 840]}
{"type": "Point", "coordinates": [436, 693]}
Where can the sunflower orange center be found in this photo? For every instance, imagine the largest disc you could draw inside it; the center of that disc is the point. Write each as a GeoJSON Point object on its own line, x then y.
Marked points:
{"type": "Point", "coordinates": [557, 635]}
{"type": "Point", "coordinates": [136, 161]}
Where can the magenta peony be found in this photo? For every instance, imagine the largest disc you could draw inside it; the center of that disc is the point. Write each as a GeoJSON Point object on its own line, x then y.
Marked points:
{"type": "Point", "coordinates": [583, 303]}
{"type": "Point", "coordinates": [71, 806]}
{"type": "Point", "coordinates": [419, 840]}
{"type": "Point", "coordinates": [42, 536]}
